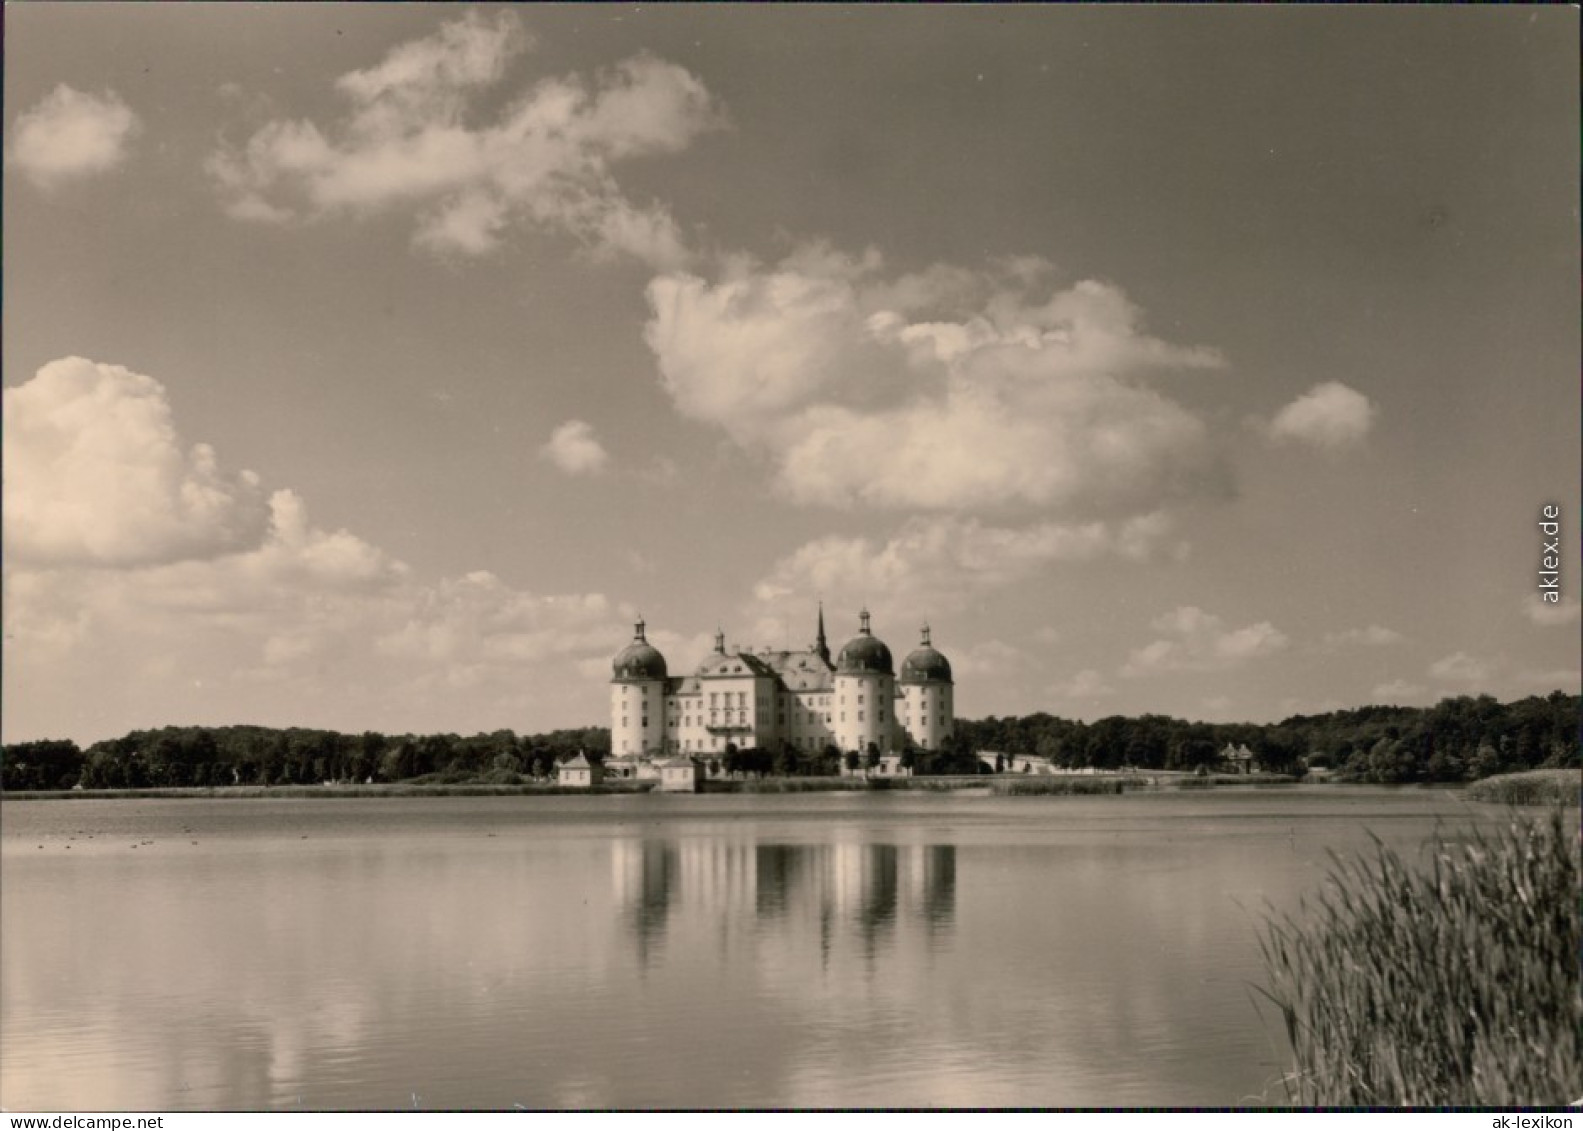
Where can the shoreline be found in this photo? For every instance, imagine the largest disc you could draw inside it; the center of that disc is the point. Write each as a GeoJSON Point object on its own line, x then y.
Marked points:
{"type": "Point", "coordinates": [1533, 788]}
{"type": "Point", "coordinates": [1001, 785]}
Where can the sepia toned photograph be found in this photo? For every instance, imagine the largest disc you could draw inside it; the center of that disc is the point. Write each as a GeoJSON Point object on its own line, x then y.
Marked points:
{"type": "Point", "coordinates": [754, 557]}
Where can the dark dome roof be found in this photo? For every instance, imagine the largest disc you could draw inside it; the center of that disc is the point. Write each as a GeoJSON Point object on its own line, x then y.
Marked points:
{"type": "Point", "coordinates": [864, 653]}
{"type": "Point", "coordinates": [640, 659]}
{"type": "Point", "coordinates": [925, 665]}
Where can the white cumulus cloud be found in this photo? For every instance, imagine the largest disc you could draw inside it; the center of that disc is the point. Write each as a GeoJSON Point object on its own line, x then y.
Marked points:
{"type": "Point", "coordinates": [1374, 636]}
{"type": "Point", "coordinates": [1399, 691]}
{"type": "Point", "coordinates": [576, 450]}
{"type": "Point", "coordinates": [1086, 684]}
{"type": "Point", "coordinates": [947, 389]}
{"type": "Point", "coordinates": [1551, 614]}
{"type": "Point", "coordinates": [145, 586]}
{"type": "Point", "coordinates": [71, 135]}
{"type": "Point", "coordinates": [942, 562]}
{"type": "Point", "coordinates": [410, 139]}
{"type": "Point", "coordinates": [1462, 668]}
{"type": "Point", "coordinates": [95, 474]}
{"type": "Point", "coordinates": [1330, 415]}
{"type": "Point", "coordinates": [1197, 641]}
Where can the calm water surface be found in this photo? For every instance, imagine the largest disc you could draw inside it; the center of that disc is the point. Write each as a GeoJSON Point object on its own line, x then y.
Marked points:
{"type": "Point", "coordinates": [901, 949]}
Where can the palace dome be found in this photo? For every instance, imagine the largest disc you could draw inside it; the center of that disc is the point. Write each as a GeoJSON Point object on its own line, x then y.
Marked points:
{"type": "Point", "coordinates": [865, 652]}
{"type": "Point", "coordinates": [925, 665]}
{"type": "Point", "coordinates": [639, 660]}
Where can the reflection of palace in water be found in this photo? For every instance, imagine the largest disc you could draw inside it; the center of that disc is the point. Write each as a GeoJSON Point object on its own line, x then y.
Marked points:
{"type": "Point", "coordinates": [857, 887]}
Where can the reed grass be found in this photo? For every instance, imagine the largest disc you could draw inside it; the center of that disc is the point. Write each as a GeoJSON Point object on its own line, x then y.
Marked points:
{"type": "Point", "coordinates": [1454, 983]}
{"type": "Point", "coordinates": [1531, 787]}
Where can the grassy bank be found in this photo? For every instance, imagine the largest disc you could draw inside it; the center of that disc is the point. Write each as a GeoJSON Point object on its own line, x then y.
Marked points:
{"type": "Point", "coordinates": [1207, 781]}
{"type": "Point", "coordinates": [1084, 784]}
{"type": "Point", "coordinates": [788, 785]}
{"type": "Point", "coordinates": [1533, 787]}
{"type": "Point", "coordinates": [394, 789]}
{"type": "Point", "coordinates": [1450, 983]}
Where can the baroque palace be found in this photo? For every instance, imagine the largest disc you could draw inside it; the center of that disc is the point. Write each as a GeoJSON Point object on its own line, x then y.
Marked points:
{"type": "Point", "coordinates": [766, 699]}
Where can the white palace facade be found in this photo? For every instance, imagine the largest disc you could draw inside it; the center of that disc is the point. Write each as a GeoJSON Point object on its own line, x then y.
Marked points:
{"type": "Point", "coordinates": [746, 699]}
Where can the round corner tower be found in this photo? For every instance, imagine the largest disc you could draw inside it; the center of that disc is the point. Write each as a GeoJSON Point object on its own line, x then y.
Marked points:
{"type": "Point", "coordinates": [637, 698]}
{"type": "Point", "coordinates": [865, 687]}
{"type": "Point", "coordinates": [928, 710]}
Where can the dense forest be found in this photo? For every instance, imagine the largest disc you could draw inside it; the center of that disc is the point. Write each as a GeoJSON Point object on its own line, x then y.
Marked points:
{"type": "Point", "coordinates": [250, 755]}
{"type": "Point", "coordinates": [1456, 740]}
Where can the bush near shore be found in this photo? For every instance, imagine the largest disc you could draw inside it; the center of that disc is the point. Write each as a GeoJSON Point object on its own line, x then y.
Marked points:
{"type": "Point", "coordinates": [1451, 984]}
{"type": "Point", "coordinates": [1536, 787]}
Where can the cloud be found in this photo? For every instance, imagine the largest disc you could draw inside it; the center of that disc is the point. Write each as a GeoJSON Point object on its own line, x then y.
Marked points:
{"type": "Point", "coordinates": [144, 586]}
{"type": "Point", "coordinates": [95, 474]}
{"type": "Point", "coordinates": [1463, 668]}
{"type": "Point", "coordinates": [1330, 415]}
{"type": "Point", "coordinates": [941, 562]}
{"type": "Point", "coordinates": [1200, 641]}
{"type": "Point", "coordinates": [1375, 636]}
{"type": "Point", "coordinates": [1086, 684]}
{"type": "Point", "coordinates": [477, 620]}
{"type": "Point", "coordinates": [71, 135]}
{"type": "Point", "coordinates": [576, 450]}
{"type": "Point", "coordinates": [410, 139]}
{"type": "Point", "coordinates": [988, 660]}
{"type": "Point", "coordinates": [947, 389]}
{"type": "Point", "coordinates": [1216, 704]}
{"type": "Point", "coordinates": [1548, 614]}
{"type": "Point", "coordinates": [1569, 680]}
{"type": "Point", "coordinates": [1398, 691]}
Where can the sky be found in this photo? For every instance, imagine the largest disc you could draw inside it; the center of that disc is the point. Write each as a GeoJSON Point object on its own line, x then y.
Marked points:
{"type": "Point", "coordinates": [377, 366]}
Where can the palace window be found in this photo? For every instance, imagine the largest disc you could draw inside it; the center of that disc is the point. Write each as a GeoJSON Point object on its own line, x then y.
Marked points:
{"type": "Point", "coordinates": [860, 716]}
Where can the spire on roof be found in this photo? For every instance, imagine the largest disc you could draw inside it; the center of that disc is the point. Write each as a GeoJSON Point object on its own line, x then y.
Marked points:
{"type": "Point", "coordinates": [821, 647]}
{"type": "Point", "coordinates": [720, 640]}
{"type": "Point", "coordinates": [925, 634]}
{"type": "Point", "coordinates": [863, 622]}
{"type": "Point", "coordinates": [637, 630]}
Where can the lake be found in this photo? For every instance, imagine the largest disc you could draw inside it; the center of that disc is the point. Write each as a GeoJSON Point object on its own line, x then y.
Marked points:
{"type": "Point", "coordinates": [888, 949]}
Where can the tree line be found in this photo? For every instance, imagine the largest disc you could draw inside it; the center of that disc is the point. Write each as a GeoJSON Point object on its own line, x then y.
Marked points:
{"type": "Point", "coordinates": [1458, 739]}
{"type": "Point", "coordinates": [252, 755]}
